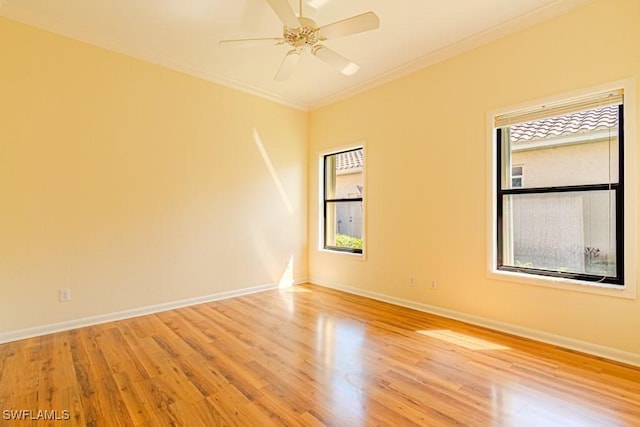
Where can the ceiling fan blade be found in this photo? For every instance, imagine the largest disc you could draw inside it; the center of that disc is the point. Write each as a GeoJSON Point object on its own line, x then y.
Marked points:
{"type": "Point", "coordinates": [283, 9]}
{"type": "Point", "coordinates": [336, 60]}
{"type": "Point", "coordinates": [270, 41]}
{"type": "Point", "coordinates": [288, 64]}
{"type": "Point", "coordinates": [356, 24]}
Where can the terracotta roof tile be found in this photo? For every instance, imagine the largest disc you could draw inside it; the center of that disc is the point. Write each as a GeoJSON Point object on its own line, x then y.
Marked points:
{"type": "Point", "coordinates": [581, 122]}
{"type": "Point", "coordinates": [349, 160]}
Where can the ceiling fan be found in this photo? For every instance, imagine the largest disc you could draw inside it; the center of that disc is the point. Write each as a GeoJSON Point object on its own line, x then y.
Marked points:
{"type": "Point", "coordinates": [303, 34]}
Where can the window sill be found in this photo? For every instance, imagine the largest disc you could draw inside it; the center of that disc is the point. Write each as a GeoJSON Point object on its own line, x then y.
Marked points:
{"type": "Point", "coordinates": [355, 255]}
{"type": "Point", "coordinates": [627, 291]}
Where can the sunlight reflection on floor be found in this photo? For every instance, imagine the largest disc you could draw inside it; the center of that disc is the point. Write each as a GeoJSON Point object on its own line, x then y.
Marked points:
{"type": "Point", "coordinates": [462, 340]}
{"type": "Point", "coordinates": [294, 289]}
{"type": "Point", "coordinates": [519, 404]}
{"type": "Point", "coordinates": [339, 347]}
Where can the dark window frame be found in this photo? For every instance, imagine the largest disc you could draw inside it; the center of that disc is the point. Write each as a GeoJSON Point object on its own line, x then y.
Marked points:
{"type": "Point", "coordinates": [327, 201]}
{"type": "Point", "coordinates": [617, 188]}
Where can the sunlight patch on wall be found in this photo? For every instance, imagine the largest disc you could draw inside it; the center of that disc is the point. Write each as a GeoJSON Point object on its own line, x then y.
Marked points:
{"type": "Point", "coordinates": [286, 280]}
{"type": "Point", "coordinates": [462, 340]}
{"type": "Point", "coordinates": [272, 171]}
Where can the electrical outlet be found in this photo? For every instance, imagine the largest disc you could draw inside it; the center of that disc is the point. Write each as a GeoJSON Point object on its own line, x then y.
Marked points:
{"type": "Point", "coordinates": [412, 280]}
{"type": "Point", "coordinates": [65, 294]}
{"type": "Point", "coordinates": [434, 284]}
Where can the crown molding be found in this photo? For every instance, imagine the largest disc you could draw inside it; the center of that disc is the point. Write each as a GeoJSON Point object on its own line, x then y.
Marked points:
{"type": "Point", "coordinates": [520, 23]}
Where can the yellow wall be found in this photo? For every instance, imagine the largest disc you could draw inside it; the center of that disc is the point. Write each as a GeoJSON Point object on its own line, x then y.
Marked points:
{"type": "Point", "coordinates": [136, 185]}
{"type": "Point", "coordinates": [426, 173]}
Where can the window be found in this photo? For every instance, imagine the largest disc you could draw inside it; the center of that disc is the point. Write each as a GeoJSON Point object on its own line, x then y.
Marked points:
{"type": "Point", "coordinates": [567, 219]}
{"type": "Point", "coordinates": [343, 196]}
{"type": "Point", "coordinates": [516, 176]}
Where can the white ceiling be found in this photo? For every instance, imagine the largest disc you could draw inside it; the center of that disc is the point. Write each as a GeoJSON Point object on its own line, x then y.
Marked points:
{"type": "Point", "coordinates": [184, 35]}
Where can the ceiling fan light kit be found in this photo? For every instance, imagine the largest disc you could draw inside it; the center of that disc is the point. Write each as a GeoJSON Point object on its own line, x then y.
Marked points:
{"type": "Point", "coordinates": [303, 34]}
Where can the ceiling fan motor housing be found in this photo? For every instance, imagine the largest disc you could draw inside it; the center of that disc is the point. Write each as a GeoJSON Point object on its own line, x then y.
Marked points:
{"type": "Point", "coordinates": [304, 36]}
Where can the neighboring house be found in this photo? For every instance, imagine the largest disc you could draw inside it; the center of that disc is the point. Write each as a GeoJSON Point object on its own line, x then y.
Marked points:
{"type": "Point", "coordinates": [349, 184]}
{"type": "Point", "coordinates": [565, 230]}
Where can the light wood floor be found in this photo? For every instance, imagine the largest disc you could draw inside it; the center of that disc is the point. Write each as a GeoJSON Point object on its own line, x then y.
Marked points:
{"type": "Point", "coordinates": [308, 356]}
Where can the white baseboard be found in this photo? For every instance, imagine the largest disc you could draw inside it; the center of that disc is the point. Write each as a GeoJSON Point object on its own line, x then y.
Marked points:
{"type": "Point", "coordinates": [510, 328]}
{"type": "Point", "coordinates": [127, 314]}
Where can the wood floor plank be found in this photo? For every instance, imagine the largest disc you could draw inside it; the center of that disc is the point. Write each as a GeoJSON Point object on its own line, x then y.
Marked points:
{"type": "Point", "coordinates": [139, 408]}
{"type": "Point", "coordinates": [105, 405]}
{"type": "Point", "coordinates": [20, 374]}
{"type": "Point", "coordinates": [309, 356]}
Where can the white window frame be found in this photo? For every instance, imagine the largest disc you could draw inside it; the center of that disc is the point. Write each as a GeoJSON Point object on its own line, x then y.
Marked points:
{"type": "Point", "coordinates": [629, 288]}
{"type": "Point", "coordinates": [321, 195]}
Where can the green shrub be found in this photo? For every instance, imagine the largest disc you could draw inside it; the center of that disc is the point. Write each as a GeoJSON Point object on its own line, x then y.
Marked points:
{"type": "Point", "coordinates": [344, 241]}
